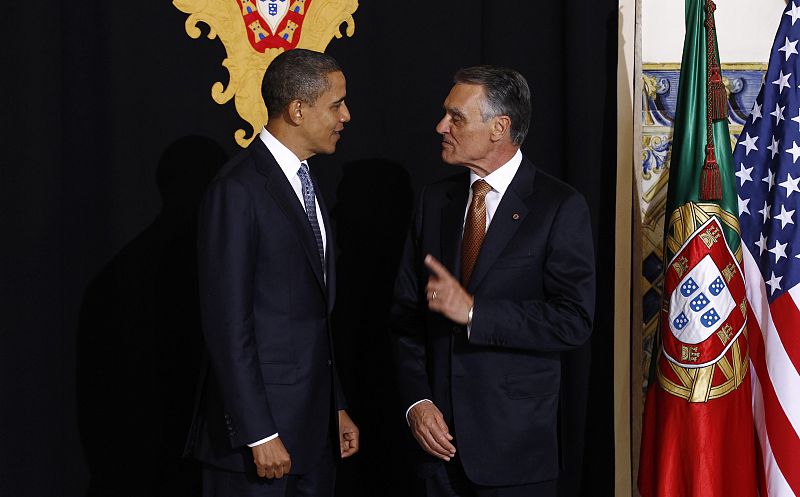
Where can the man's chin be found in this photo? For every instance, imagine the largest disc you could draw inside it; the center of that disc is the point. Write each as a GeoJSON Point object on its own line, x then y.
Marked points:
{"type": "Point", "coordinates": [448, 158]}
{"type": "Point", "coordinates": [329, 150]}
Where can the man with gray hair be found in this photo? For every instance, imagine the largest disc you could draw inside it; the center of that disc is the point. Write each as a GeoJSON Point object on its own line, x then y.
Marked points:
{"type": "Point", "coordinates": [270, 420]}
{"type": "Point", "coordinates": [497, 280]}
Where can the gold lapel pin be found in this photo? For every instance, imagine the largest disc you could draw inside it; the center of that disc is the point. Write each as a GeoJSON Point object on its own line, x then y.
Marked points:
{"type": "Point", "coordinates": [515, 217]}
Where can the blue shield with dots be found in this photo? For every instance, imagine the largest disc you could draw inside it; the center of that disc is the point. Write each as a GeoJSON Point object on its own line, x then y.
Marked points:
{"type": "Point", "coordinates": [716, 287]}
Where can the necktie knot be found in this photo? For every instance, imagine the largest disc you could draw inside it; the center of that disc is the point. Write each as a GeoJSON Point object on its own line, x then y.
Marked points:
{"type": "Point", "coordinates": [303, 171]}
{"type": "Point", "coordinates": [480, 188]}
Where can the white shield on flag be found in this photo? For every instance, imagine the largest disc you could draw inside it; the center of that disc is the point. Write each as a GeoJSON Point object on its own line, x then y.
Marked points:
{"type": "Point", "coordinates": [273, 11]}
{"type": "Point", "coordinates": [700, 302]}
{"type": "Point", "coordinates": [705, 307]}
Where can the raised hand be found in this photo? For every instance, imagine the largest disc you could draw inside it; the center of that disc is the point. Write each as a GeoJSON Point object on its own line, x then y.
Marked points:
{"type": "Point", "coordinates": [445, 293]}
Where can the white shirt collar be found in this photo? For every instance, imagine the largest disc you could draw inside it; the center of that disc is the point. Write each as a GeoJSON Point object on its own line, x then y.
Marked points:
{"type": "Point", "coordinates": [286, 159]}
{"type": "Point", "coordinates": [500, 178]}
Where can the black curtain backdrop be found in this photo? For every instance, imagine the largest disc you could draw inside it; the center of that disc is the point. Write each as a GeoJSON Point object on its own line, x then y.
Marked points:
{"type": "Point", "coordinates": [110, 136]}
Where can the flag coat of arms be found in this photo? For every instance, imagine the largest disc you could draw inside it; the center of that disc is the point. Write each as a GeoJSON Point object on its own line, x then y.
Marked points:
{"type": "Point", "coordinates": [697, 436]}
{"type": "Point", "coordinates": [768, 174]}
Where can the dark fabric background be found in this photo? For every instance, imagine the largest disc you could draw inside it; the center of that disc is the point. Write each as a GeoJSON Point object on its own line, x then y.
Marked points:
{"type": "Point", "coordinates": [109, 136]}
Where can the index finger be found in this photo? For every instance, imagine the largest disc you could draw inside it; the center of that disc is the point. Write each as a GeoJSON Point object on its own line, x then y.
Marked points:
{"type": "Point", "coordinates": [437, 267]}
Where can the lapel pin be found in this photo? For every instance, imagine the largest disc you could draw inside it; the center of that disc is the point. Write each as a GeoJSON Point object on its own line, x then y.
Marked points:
{"type": "Point", "coordinates": [515, 217]}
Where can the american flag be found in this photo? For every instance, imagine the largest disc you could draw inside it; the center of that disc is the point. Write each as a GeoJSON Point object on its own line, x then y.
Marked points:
{"type": "Point", "coordinates": [768, 186]}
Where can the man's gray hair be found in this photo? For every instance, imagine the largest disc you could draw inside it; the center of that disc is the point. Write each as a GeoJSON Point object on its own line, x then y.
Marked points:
{"type": "Point", "coordinates": [507, 94]}
{"type": "Point", "coordinates": [297, 74]}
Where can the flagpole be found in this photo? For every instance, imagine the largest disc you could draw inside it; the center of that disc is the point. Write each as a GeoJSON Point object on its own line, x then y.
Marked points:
{"type": "Point", "coordinates": [626, 483]}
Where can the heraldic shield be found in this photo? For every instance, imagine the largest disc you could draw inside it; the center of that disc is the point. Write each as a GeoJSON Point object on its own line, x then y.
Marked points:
{"type": "Point", "coordinates": [254, 32]}
{"type": "Point", "coordinates": [704, 311]}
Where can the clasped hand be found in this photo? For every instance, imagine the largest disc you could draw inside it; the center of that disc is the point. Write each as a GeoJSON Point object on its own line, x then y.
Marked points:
{"type": "Point", "coordinates": [271, 458]}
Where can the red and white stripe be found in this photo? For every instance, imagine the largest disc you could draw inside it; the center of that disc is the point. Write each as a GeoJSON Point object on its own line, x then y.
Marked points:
{"type": "Point", "coordinates": [774, 338]}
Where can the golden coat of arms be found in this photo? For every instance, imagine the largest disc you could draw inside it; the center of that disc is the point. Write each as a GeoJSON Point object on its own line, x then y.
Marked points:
{"type": "Point", "coordinates": [254, 32]}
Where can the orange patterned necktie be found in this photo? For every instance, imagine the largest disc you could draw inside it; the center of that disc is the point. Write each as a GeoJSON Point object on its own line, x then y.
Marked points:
{"type": "Point", "coordinates": [474, 229]}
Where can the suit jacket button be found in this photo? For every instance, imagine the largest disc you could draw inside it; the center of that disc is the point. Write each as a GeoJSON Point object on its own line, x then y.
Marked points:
{"type": "Point", "coordinates": [330, 363]}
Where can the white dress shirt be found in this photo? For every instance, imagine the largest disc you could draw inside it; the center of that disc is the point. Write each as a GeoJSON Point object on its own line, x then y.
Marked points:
{"type": "Point", "coordinates": [499, 179]}
{"type": "Point", "coordinates": [290, 164]}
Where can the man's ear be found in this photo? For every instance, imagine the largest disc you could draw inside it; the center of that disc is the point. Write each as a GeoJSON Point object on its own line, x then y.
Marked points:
{"type": "Point", "coordinates": [501, 126]}
{"type": "Point", "coordinates": [295, 111]}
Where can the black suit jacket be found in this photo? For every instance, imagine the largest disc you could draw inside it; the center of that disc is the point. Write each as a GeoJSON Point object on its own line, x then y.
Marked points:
{"type": "Point", "coordinates": [533, 285]}
{"type": "Point", "coordinates": [266, 319]}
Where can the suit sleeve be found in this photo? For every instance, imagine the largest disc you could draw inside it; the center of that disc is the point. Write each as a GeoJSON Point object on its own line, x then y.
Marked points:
{"type": "Point", "coordinates": [408, 328]}
{"type": "Point", "coordinates": [227, 245]}
{"type": "Point", "coordinates": [340, 402]}
{"type": "Point", "coordinates": [563, 319]}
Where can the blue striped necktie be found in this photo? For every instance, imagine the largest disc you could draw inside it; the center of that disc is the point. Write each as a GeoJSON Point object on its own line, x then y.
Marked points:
{"type": "Point", "coordinates": [311, 208]}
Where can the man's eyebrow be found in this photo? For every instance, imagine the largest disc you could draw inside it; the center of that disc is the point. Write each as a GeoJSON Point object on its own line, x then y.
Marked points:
{"type": "Point", "coordinates": [455, 111]}
{"type": "Point", "coordinates": [339, 101]}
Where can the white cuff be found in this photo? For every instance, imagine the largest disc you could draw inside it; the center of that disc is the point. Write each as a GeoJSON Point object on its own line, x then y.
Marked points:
{"type": "Point", "coordinates": [412, 407]}
{"type": "Point", "coordinates": [263, 440]}
{"type": "Point", "coordinates": [469, 321]}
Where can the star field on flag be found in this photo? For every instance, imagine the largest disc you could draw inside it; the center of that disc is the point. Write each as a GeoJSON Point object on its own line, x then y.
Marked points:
{"type": "Point", "coordinates": [768, 189]}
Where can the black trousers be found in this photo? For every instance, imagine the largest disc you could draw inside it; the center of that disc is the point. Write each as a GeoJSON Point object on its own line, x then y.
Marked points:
{"type": "Point", "coordinates": [319, 482]}
{"type": "Point", "coordinates": [449, 480]}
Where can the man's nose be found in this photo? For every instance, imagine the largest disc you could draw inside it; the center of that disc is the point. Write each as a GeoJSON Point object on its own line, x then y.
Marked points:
{"type": "Point", "coordinates": [345, 117]}
{"type": "Point", "coordinates": [443, 126]}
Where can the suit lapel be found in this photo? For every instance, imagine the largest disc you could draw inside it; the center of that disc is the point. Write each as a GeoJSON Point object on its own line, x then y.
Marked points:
{"type": "Point", "coordinates": [507, 218]}
{"type": "Point", "coordinates": [281, 190]}
{"type": "Point", "coordinates": [453, 224]}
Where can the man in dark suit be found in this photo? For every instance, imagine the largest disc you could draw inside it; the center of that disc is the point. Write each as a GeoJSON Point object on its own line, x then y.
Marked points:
{"type": "Point", "coordinates": [271, 419]}
{"type": "Point", "coordinates": [494, 285]}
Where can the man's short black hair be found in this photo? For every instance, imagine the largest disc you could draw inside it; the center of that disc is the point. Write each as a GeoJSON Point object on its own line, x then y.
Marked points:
{"type": "Point", "coordinates": [507, 94]}
{"type": "Point", "coordinates": [296, 74]}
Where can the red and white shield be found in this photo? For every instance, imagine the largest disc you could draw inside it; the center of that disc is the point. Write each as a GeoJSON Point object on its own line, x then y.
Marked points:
{"type": "Point", "coordinates": [273, 23]}
{"type": "Point", "coordinates": [705, 305]}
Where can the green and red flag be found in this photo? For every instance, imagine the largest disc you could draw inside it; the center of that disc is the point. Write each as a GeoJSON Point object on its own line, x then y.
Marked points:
{"type": "Point", "coordinates": [698, 438]}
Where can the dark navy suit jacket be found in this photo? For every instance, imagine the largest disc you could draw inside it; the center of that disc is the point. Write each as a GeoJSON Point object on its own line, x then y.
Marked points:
{"type": "Point", "coordinates": [266, 309]}
{"type": "Point", "coordinates": [533, 285]}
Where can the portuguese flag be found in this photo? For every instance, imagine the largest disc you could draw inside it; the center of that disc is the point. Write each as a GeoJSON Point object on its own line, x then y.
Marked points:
{"type": "Point", "coordinates": [698, 438]}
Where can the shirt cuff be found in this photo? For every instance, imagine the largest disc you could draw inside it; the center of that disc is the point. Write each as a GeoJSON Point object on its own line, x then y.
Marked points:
{"type": "Point", "coordinates": [469, 321]}
{"type": "Point", "coordinates": [412, 407]}
{"type": "Point", "coordinates": [263, 440]}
